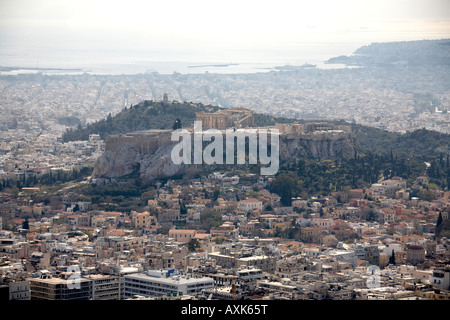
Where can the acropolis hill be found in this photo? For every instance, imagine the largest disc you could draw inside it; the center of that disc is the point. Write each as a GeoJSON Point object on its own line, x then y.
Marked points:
{"type": "Point", "coordinates": [149, 151]}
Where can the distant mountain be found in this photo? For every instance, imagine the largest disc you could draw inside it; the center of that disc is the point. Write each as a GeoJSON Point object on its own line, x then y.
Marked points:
{"type": "Point", "coordinates": [158, 115]}
{"type": "Point", "coordinates": [425, 53]}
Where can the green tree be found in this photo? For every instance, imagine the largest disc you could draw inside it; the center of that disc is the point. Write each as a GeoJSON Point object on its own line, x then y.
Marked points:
{"type": "Point", "coordinates": [210, 219]}
{"type": "Point", "coordinates": [183, 209]}
{"type": "Point", "coordinates": [216, 194]}
{"type": "Point", "coordinates": [193, 245]}
{"type": "Point", "coordinates": [25, 224]}
{"type": "Point", "coordinates": [285, 185]}
{"type": "Point", "coordinates": [392, 258]}
{"type": "Point", "coordinates": [219, 240]}
{"type": "Point", "coordinates": [439, 220]}
{"type": "Point", "coordinates": [15, 191]}
{"type": "Point", "coordinates": [425, 195]}
{"type": "Point", "coordinates": [321, 212]}
{"type": "Point", "coordinates": [90, 234]}
{"type": "Point", "coordinates": [444, 229]}
{"type": "Point", "coordinates": [177, 124]}
{"type": "Point", "coordinates": [277, 232]}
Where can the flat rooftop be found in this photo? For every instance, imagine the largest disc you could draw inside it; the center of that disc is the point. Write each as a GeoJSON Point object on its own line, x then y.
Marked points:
{"type": "Point", "coordinates": [56, 280]}
{"type": "Point", "coordinates": [171, 280]}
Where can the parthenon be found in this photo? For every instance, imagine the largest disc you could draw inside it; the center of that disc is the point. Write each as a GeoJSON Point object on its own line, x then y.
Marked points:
{"type": "Point", "coordinates": [223, 119]}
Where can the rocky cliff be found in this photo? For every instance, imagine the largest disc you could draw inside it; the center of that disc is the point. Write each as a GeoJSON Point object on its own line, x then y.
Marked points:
{"type": "Point", "coordinates": [124, 156]}
{"type": "Point", "coordinates": [322, 146]}
{"type": "Point", "coordinates": [147, 152]}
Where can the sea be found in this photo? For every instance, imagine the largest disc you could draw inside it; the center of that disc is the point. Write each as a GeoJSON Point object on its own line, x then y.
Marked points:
{"type": "Point", "coordinates": [15, 61]}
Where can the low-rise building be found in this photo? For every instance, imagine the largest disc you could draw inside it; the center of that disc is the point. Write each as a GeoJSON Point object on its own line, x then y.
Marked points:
{"type": "Point", "coordinates": [19, 290]}
{"type": "Point", "coordinates": [53, 288]}
{"type": "Point", "coordinates": [140, 219]}
{"type": "Point", "coordinates": [441, 278]}
{"type": "Point", "coordinates": [161, 284]}
{"type": "Point", "coordinates": [182, 235]}
{"type": "Point", "coordinates": [105, 287]}
{"type": "Point", "coordinates": [250, 204]}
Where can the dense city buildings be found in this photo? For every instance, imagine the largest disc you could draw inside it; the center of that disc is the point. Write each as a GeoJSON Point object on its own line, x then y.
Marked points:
{"type": "Point", "coordinates": [225, 235]}
{"type": "Point", "coordinates": [88, 220]}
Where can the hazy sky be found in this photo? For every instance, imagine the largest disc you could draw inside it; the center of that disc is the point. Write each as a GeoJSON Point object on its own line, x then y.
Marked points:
{"type": "Point", "coordinates": [224, 29]}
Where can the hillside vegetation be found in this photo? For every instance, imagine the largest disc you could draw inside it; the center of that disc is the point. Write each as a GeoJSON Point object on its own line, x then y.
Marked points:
{"type": "Point", "coordinates": [158, 115]}
{"type": "Point", "coordinates": [143, 116]}
{"type": "Point", "coordinates": [425, 143]}
{"type": "Point", "coordinates": [378, 155]}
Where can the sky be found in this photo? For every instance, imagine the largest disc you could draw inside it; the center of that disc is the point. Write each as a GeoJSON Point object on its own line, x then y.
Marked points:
{"type": "Point", "coordinates": [215, 30]}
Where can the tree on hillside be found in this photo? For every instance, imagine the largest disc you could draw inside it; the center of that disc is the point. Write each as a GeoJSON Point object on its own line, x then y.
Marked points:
{"type": "Point", "coordinates": [177, 124]}
{"type": "Point", "coordinates": [25, 224]}
{"type": "Point", "coordinates": [444, 229]}
{"type": "Point", "coordinates": [216, 194]}
{"type": "Point", "coordinates": [392, 258]}
{"type": "Point", "coordinates": [439, 220]}
{"type": "Point", "coordinates": [426, 195]}
{"type": "Point", "coordinates": [193, 245]}
{"type": "Point", "coordinates": [183, 209]}
{"type": "Point", "coordinates": [438, 224]}
{"type": "Point", "coordinates": [285, 185]}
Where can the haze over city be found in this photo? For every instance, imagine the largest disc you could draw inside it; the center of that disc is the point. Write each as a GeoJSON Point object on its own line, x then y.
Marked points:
{"type": "Point", "coordinates": [73, 33]}
{"type": "Point", "coordinates": [124, 171]}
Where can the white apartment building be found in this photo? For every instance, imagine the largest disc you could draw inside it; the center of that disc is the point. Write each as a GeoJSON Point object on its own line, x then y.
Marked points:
{"type": "Point", "coordinates": [250, 204]}
{"type": "Point", "coordinates": [160, 284]}
{"type": "Point", "coordinates": [441, 278]}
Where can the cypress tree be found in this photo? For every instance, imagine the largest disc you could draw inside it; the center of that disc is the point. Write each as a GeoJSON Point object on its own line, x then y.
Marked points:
{"type": "Point", "coordinates": [438, 224]}
{"type": "Point", "coordinates": [439, 220]}
{"type": "Point", "coordinates": [392, 258]}
{"type": "Point", "coordinates": [25, 224]}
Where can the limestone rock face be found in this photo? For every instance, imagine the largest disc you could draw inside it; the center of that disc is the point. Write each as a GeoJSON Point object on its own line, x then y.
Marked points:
{"type": "Point", "coordinates": [116, 162]}
{"type": "Point", "coordinates": [323, 147]}
{"type": "Point", "coordinates": [122, 159]}
{"type": "Point", "coordinates": [159, 164]}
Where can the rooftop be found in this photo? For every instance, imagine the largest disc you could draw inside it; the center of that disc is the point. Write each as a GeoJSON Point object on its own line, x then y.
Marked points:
{"type": "Point", "coordinates": [170, 280]}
